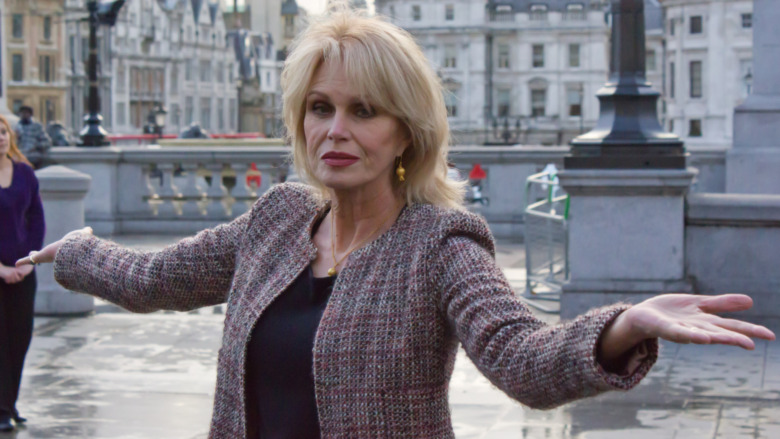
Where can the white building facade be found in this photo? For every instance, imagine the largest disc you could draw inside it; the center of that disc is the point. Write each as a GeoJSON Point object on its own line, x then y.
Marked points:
{"type": "Point", "coordinates": [173, 53]}
{"type": "Point", "coordinates": [708, 64]}
{"type": "Point", "coordinates": [538, 63]}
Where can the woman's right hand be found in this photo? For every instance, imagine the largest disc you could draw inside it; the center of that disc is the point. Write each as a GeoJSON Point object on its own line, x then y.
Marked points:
{"type": "Point", "coordinates": [10, 275]}
{"type": "Point", "coordinates": [46, 255]}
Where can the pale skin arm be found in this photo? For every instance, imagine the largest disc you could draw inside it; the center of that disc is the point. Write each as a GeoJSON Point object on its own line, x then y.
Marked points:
{"type": "Point", "coordinates": [681, 318]}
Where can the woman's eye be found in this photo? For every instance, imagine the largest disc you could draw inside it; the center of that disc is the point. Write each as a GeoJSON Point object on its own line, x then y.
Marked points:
{"type": "Point", "coordinates": [364, 111]}
{"type": "Point", "coordinates": [320, 108]}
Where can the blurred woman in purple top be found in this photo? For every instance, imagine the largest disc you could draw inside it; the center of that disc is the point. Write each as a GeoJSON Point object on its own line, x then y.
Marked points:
{"type": "Point", "coordinates": [21, 231]}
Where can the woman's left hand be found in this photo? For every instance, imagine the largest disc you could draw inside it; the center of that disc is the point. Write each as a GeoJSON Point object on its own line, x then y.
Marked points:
{"type": "Point", "coordinates": [681, 318]}
{"type": "Point", "coordinates": [24, 270]}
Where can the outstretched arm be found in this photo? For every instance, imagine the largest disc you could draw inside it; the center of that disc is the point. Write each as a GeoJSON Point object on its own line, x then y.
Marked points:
{"type": "Point", "coordinates": [192, 273]}
{"type": "Point", "coordinates": [544, 366]}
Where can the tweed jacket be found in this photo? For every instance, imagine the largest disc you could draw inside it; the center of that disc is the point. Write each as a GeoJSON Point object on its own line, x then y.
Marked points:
{"type": "Point", "coordinates": [386, 344]}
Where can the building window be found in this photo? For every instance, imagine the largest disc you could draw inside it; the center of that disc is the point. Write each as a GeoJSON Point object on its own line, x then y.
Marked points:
{"type": "Point", "coordinates": [45, 69]}
{"type": "Point", "coordinates": [574, 97]}
{"type": "Point", "coordinates": [175, 79]}
{"type": "Point", "coordinates": [188, 69]}
{"type": "Point", "coordinates": [538, 56]}
{"type": "Point", "coordinates": [205, 71]}
{"type": "Point", "coordinates": [747, 21]}
{"type": "Point", "coordinates": [221, 115]}
{"type": "Point", "coordinates": [176, 116]}
{"type": "Point", "coordinates": [233, 114]}
{"type": "Point", "coordinates": [696, 79]}
{"type": "Point", "coordinates": [391, 11]}
{"type": "Point", "coordinates": [650, 60]}
{"type": "Point", "coordinates": [416, 13]}
{"type": "Point", "coordinates": [538, 13]}
{"type": "Point", "coordinates": [574, 12]}
{"type": "Point", "coordinates": [504, 102]}
{"type": "Point", "coordinates": [17, 62]}
{"type": "Point", "coordinates": [450, 56]}
{"type": "Point", "coordinates": [120, 80]}
{"type": "Point", "coordinates": [47, 28]}
{"type": "Point", "coordinates": [189, 110]}
{"type": "Point", "coordinates": [289, 26]}
{"type": "Point", "coordinates": [672, 81]}
{"type": "Point", "coordinates": [205, 113]}
{"type": "Point", "coordinates": [671, 125]}
{"type": "Point", "coordinates": [538, 102]}
{"type": "Point", "coordinates": [220, 72]}
{"type": "Point", "coordinates": [449, 12]}
{"type": "Point", "coordinates": [574, 55]}
{"type": "Point", "coordinates": [17, 26]}
{"type": "Point", "coordinates": [17, 105]}
{"type": "Point", "coordinates": [671, 26]}
{"type": "Point", "coordinates": [504, 13]}
{"type": "Point", "coordinates": [121, 117]}
{"type": "Point", "coordinates": [451, 101]}
{"type": "Point", "coordinates": [694, 129]}
{"type": "Point", "coordinates": [503, 56]}
{"type": "Point", "coordinates": [697, 25]}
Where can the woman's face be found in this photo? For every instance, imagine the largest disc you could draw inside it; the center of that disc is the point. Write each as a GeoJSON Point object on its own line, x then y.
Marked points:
{"type": "Point", "coordinates": [349, 144]}
{"type": "Point", "coordinates": [5, 140]}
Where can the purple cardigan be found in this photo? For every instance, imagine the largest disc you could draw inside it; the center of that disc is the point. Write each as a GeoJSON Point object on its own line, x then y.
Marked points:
{"type": "Point", "coordinates": [386, 344]}
{"type": "Point", "coordinates": [21, 216]}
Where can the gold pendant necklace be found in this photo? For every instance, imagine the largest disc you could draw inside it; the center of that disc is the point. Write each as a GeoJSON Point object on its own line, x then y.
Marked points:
{"type": "Point", "coordinates": [332, 271]}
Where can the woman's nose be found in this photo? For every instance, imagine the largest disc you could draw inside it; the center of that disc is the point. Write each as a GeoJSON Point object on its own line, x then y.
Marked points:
{"type": "Point", "coordinates": [338, 127]}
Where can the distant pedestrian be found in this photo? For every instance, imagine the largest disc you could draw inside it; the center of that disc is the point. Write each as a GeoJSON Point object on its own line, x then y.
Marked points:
{"type": "Point", "coordinates": [32, 139]}
{"type": "Point", "coordinates": [21, 231]}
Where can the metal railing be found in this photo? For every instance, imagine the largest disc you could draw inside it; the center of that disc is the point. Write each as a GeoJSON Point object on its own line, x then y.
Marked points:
{"type": "Point", "coordinates": [546, 240]}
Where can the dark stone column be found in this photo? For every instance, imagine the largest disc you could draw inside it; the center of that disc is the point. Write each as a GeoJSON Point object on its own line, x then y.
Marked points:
{"type": "Point", "coordinates": [628, 134]}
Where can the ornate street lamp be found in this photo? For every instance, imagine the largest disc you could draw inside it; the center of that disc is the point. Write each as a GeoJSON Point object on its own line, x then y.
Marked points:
{"type": "Point", "coordinates": [628, 134]}
{"type": "Point", "coordinates": [106, 13]}
{"type": "Point", "coordinates": [160, 114]}
{"type": "Point", "coordinates": [504, 133]}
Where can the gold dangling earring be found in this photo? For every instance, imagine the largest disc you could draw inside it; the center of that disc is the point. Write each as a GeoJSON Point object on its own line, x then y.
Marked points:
{"type": "Point", "coordinates": [400, 171]}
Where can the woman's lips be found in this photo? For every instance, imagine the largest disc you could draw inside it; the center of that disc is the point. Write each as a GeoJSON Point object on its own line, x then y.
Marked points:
{"type": "Point", "coordinates": [338, 159]}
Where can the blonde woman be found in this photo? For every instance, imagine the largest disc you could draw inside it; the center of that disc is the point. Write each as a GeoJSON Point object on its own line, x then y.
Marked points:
{"type": "Point", "coordinates": [347, 298]}
{"type": "Point", "coordinates": [21, 230]}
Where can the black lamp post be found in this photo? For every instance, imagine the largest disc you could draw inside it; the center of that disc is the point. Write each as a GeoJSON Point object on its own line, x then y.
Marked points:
{"type": "Point", "coordinates": [628, 134]}
{"type": "Point", "coordinates": [93, 133]}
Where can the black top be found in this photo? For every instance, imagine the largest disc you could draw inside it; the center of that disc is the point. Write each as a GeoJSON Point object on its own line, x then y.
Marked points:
{"type": "Point", "coordinates": [280, 401]}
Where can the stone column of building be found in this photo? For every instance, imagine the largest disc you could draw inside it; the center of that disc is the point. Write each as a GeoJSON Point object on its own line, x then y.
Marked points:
{"type": "Point", "coordinates": [753, 165]}
{"type": "Point", "coordinates": [4, 110]}
{"type": "Point", "coordinates": [627, 182]}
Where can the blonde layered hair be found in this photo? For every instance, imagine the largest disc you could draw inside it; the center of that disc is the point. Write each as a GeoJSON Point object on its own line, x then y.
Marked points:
{"type": "Point", "coordinates": [13, 150]}
{"type": "Point", "coordinates": [389, 71]}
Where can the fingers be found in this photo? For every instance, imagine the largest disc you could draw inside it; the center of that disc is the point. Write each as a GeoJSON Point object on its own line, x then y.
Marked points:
{"type": "Point", "coordinates": [745, 328]}
{"type": "Point", "coordinates": [683, 334]}
{"type": "Point", "coordinates": [725, 303]}
{"type": "Point", "coordinates": [47, 254]}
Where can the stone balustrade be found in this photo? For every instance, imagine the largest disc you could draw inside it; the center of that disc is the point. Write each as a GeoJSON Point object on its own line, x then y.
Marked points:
{"type": "Point", "coordinates": [184, 186]}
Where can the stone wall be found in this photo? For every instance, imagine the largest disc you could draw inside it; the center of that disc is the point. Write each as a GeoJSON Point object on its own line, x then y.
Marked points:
{"type": "Point", "coordinates": [732, 245]}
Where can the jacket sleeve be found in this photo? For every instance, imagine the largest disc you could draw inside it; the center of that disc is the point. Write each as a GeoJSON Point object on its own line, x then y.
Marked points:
{"type": "Point", "coordinates": [539, 365]}
{"type": "Point", "coordinates": [192, 273]}
{"type": "Point", "coordinates": [36, 224]}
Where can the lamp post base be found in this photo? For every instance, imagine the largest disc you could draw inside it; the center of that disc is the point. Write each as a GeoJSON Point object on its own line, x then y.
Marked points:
{"type": "Point", "coordinates": [93, 133]}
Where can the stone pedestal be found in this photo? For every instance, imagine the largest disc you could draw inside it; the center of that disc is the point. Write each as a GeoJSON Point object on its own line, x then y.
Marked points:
{"type": "Point", "coordinates": [626, 236]}
{"type": "Point", "coordinates": [62, 191]}
{"type": "Point", "coordinates": [753, 165]}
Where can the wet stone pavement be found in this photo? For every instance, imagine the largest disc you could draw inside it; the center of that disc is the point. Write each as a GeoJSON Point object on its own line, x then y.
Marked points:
{"type": "Point", "coordinates": [118, 375]}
